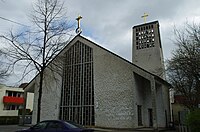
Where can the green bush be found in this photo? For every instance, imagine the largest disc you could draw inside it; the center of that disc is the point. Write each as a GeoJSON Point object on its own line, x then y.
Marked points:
{"type": "Point", "coordinates": [193, 120]}
{"type": "Point", "coordinates": [9, 120]}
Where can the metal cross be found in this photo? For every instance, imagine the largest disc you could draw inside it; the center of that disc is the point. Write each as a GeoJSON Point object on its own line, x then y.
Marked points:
{"type": "Point", "coordinates": [78, 30]}
{"type": "Point", "coordinates": [145, 17]}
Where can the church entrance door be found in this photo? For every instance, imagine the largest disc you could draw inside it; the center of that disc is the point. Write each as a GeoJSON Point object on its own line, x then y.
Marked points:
{"type": "Point", "coordinates": [150, 112]}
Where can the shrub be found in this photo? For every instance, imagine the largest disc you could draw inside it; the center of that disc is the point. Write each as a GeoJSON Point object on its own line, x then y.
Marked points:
{"type": "Point", "coordinates": [193, 120]}
{"type": "Point", "coordinates": [9, 120]}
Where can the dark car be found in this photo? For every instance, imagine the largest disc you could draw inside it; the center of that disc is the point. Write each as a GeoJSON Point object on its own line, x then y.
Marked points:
{"type": "Point", "coordinates": [56, 126]}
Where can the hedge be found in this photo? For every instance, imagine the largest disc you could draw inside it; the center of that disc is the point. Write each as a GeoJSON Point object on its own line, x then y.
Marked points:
{"type": "Point", "coordinates": [9, 120]}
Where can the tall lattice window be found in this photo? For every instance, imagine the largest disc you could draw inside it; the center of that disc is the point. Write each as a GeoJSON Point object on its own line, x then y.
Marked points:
{"type": "Point", "coordinates": [77, 97]}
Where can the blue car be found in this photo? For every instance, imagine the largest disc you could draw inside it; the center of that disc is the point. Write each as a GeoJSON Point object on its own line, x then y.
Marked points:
{"type": "Point", "coordinates": [56, 126]}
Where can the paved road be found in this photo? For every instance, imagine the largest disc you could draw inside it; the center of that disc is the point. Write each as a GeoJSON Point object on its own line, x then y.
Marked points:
{"type": "Point", "coordinates": [13, 128]}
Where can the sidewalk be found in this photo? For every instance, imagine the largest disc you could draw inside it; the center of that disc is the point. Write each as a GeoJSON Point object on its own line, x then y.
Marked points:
{"type": "Point", "coordinates": [131, 130]}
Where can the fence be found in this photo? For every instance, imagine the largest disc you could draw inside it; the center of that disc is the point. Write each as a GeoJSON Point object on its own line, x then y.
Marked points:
{"type": "Point", "coordinates": [183, 128]}
{"type": "Point", "coordinates": [27, 119]}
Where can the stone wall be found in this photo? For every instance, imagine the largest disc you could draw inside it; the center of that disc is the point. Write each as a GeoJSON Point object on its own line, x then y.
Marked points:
{"type": "Point", "coordinates": [114, 91]}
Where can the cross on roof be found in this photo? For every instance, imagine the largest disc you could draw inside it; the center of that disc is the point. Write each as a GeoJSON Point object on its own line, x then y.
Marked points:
{"type": "Point", "coordinates": [145, 17]}
{"type": "Point", "coordinates": [78, 30]}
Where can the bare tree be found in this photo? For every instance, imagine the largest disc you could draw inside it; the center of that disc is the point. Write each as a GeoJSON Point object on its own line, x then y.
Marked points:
{"type": "Point", "coordinates": [183, 69]}
{"type": "Point", "coordinates": [37, 46]}
{"type": "Point", "coordinates": [3, 73]}
{"type": "Point", "coordinates": [4, 69]}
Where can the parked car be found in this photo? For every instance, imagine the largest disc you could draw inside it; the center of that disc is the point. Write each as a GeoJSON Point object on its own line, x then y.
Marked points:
{"type": "Point", "coordinates": [56, 126]}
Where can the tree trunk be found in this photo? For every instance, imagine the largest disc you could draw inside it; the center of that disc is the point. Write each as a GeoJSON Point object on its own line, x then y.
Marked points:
{"type": "Point", "coordinates": [40, 95]}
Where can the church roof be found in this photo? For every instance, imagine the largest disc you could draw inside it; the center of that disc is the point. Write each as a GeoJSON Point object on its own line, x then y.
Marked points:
{"type": "Point", "coordinates": [146, 24]}
{"type": "Point", "coordinates": [81, 37]}
{"type": "Point", "coordinates": [155, 76]}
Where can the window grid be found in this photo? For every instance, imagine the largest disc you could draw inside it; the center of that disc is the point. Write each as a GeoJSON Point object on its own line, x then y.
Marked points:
{"type": "Point", "coordinates": [145, 37]}
{"type": "Point", "coordinates": [77, 96]}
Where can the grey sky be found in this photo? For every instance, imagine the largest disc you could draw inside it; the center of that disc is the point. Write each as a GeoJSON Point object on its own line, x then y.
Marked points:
{"type": "Point", "coordinates": [109, 22]}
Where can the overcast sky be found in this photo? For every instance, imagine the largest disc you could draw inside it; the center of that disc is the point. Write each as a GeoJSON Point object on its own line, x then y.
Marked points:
{"type": "Point", "coordinates": [109, 22]}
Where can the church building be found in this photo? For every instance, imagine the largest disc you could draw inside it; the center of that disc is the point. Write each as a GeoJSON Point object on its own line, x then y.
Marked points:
{"type": "Point", "coordinates": [96, 87]}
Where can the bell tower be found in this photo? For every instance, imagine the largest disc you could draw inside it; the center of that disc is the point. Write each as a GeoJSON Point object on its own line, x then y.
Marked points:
{"type": "Point", "coordinates": [147, 49]}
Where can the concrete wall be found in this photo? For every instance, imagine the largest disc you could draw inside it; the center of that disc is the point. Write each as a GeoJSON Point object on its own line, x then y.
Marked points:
{"type": "Point", "coordinates": [29, 101]}
{"type": "Point", "coordinates": [160, 106]}
{"type": "Point", "coordinates": [166, 98]}
{"type": "Point", "coordinates": [51, 95]}
{"type": "Point", "coordinates": [35, 100]}
{"type": "Point", "coordinates": [114, 91]}
{"type": "Point", "coordinates": [151, 58]}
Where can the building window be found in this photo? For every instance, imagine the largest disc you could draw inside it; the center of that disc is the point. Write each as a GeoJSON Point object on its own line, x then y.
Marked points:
{"type": "Point", "coordinates": [11, 107]}
{"type": "Point", "coordinates": [14, 93]}
{"type": "Point", "coordinates": [9, 93]}
{"type": "Point", "coordinates": [145, 37]}
{"type": "Point", "coordinates": [77, 98]}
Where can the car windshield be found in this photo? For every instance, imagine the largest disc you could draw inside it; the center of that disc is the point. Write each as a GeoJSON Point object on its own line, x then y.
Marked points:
{"type": "Point", "coordinates": [73, 125]}
{"type": "Point", "coordinates": [40, 125]}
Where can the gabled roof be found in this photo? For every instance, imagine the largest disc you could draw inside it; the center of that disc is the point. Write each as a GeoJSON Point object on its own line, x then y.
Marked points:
{"type": "Point", "coordinates": [155, 76]}
{"type": "Point", "coordinates": [79, 36]}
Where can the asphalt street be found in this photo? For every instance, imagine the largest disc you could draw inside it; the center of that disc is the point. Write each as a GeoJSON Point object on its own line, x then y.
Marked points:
{"type": "Point", "coordinates": [13, 128]}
